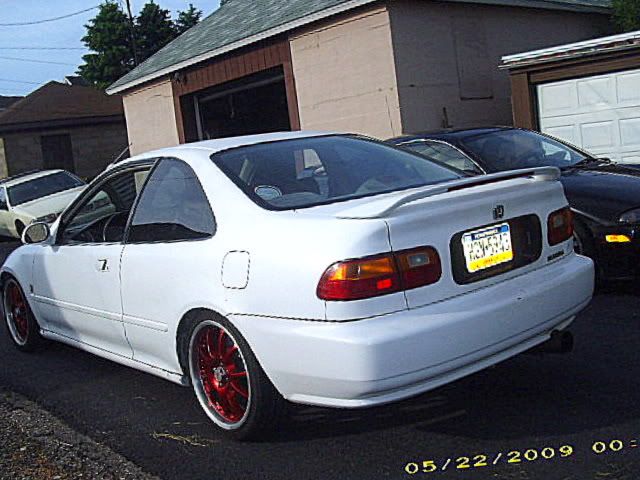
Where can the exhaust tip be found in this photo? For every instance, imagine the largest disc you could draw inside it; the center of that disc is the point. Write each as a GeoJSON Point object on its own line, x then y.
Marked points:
{"type": "Point", "coordinates": [560, 342]}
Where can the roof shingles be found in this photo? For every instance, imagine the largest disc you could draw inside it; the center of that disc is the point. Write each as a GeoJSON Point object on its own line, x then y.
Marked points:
{"type": "Point", "coordinates": [57, 101]}
{"type": "Point", "coordinates": [237, 20]}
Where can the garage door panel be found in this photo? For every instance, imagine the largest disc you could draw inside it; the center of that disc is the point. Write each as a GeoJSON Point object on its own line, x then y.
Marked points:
{"type": "Point", "coordinates": [600, 114]}
{"type": "Point", "coordinates": [598, 135]}
{"type": "Point", "coordinates": [628, 86]}
{"type": "Point", "coordinates": [630, 132]}
{"type": "Point", "coordinates": [558, 99]}
{"type": "Point", "coordinates": [599, 92]}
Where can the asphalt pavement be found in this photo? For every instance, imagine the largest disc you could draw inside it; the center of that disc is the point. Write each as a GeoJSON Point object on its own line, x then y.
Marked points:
{"type": "Point", "coordinates": [533, 417]}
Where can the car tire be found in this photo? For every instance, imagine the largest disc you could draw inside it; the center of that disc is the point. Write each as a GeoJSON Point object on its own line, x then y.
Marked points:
{"type": "Point", "coordinates": [229, 383]}
{"type": "Point", "coordinates": [19, 319]}
{"type": "Point", "coordinates": [19, 228]}
{"type": "Point", "coordinates": [584, 244]}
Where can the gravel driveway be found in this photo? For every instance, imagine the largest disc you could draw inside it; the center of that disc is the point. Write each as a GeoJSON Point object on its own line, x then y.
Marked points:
{"type": "Point", "coordinates": [36, 445]}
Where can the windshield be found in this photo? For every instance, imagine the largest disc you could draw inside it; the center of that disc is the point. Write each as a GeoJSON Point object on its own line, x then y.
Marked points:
{"type": "Point", "coordinates": [313, 171]}
{"type": "Point", "coordinates": [514, 149]}
{"type": "Point", "coordinates": [41, 187]}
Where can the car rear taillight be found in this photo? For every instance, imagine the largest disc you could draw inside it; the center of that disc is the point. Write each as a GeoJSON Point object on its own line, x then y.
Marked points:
{"type": "Point", "coordinates": [357, 279]}
{"type": "Point", "coordinates": [418, 267]}
{"type": "Point", "coordinates": [380, 275]}
{"type": "Point", "coordinates": [560, 226]}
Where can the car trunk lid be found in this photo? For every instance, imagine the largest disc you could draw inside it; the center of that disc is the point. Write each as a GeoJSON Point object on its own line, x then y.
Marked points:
{"type": "Point", "coordinates": [501, 218]}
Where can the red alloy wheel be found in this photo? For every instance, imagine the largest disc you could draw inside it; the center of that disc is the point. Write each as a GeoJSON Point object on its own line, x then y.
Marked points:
{"type": "Point", "coordinates": [17, 312]}
{"type": "Point", "coordinates": [223, 373]}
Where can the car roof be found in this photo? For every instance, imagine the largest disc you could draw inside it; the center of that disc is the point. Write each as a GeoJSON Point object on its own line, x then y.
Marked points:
{"type": "Point", "coordinates": [450, 133]}
{"type": "Point", "coordinates": [221, 144]}
{"type": "Point", "coordinates": [25, 177]}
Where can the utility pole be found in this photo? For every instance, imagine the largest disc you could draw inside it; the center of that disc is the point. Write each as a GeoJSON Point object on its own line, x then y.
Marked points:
{"type": "Point", "coordinates": [132, 33]}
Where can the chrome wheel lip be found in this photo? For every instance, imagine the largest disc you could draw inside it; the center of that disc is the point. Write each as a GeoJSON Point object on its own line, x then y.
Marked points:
{"type": "Point", "coordinates": [8, 315]}
{"type": "Point", "coordinates": [198, 386]}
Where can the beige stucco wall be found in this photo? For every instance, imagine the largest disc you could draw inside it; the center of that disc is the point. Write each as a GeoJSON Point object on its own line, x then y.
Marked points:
{"type": "Point", "coordinates": [4, 169]}
{"type": "Point", "coordinates": [151, 119]}
{"type": "Point", "coordinates": [345, 76]}
{"type": "Point", "coordinates": [445, 51]}
{"type": "Point", "coordinates": [93, 146]}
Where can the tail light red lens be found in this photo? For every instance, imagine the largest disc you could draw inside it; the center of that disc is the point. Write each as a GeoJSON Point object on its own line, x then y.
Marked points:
{"type": "Point", "coordinates": [560, 226]}
{"type": "Point", "coordinates": [380, 275]}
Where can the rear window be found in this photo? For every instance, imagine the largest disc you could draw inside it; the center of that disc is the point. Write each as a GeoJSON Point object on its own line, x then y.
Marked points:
{"type": "Point", "coordinates": [313, 171]}
{"type": "Point", "coordinates": [41, 187]}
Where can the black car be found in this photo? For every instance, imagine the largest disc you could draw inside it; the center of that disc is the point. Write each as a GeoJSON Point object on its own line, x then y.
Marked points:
{"type": "Point", "coordinates": [604, 196]}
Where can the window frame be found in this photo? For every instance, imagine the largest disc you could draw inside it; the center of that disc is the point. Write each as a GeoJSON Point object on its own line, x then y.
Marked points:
{"type": "Point", "coordinates": [92, 189]}
{"type": "Point", "coordinates": [444, 142]}
{"type": "Point", "coordinates": [134, 209]}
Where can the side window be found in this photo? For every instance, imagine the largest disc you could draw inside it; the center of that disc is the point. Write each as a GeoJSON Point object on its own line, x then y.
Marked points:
{"type": "Point", "coordinates": [172, 207]}
{"type": "Point", "coordinates": [103, 216]}
{"type": "Point", "coordinates": [445, 153]}
{"type": "Point", "coordinates": [3, 199]}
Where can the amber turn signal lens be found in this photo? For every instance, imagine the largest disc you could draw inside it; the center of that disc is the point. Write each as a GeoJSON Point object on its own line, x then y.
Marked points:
{"type": "Point", "coordinates": [357, 279]}
{"type": "Point", "coordinates": [560, 226]}
{"type": "Point", "coordinates": [617, 239]}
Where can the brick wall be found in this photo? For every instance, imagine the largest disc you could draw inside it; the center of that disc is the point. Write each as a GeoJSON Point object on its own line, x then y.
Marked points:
{"type": "Point", "coordinates": [93, 146]}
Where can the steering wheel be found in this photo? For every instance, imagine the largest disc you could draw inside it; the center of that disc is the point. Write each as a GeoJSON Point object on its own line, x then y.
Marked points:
{"type": "Point", "coordinates": [84, 236]}
{"type": "Point", "coordinates": [108, 224]}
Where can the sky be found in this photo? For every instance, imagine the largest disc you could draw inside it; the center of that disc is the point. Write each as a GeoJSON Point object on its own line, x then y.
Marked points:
{"type": "Point", "coordinates": [17, 43]}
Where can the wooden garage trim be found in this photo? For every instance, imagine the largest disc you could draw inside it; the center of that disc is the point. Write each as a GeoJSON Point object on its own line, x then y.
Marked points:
{"type": "Point", "coordinates": [233, 67]}
{"type": "Point", "coordinates": [523, 101]}
{"type": "Point", "coordinates": [585, 67]}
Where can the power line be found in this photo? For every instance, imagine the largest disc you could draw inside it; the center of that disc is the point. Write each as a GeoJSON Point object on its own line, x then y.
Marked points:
{"type": "Point", "coordinates": [42, 48]}
{"type": "Point", "coordinates": [37, 61]}
{"type": "Point", "coordinates": [38, 22]}
{"type": "Point", "coordinates": [19, 81]}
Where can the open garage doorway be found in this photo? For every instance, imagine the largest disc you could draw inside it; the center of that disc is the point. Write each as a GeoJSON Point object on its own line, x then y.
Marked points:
{"type": "Point", "coordinates": [254, 104]}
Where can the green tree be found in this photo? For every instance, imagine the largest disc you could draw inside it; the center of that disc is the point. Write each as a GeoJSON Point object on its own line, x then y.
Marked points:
{"type": "Point", "coordinates": [626, 14]}
{"type": "Point", "coordinates": [187, 19]}
{"type": "Point", "coordinates": [108, 38]}
{"type": "Point", "coordinates": [154, 29]}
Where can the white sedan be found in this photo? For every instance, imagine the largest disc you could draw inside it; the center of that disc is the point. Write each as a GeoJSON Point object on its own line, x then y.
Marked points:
{"type": "Point", "coordinates": [35, 197]}
{"type": "Point", "coordinates": [321, 269]}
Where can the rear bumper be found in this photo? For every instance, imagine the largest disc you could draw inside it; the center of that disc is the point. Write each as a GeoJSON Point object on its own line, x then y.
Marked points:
{"type": "Point", "coordinates": [388, 358]}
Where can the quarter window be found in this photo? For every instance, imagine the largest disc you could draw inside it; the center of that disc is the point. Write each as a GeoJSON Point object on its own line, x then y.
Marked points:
{"type": "Point", "coordinates": [172, 207]}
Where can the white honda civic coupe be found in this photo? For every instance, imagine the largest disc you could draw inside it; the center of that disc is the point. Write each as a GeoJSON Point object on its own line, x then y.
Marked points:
{"type": "Point", "coordinates": [320, 269]}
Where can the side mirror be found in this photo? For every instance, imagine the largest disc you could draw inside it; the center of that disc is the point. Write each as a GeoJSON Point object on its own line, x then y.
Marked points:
{"type": "Point", "coordinates": [35, 233]}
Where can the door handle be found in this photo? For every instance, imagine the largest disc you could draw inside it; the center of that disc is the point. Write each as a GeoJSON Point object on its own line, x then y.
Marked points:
{"type": "Point", "coordinates": [102, 265]}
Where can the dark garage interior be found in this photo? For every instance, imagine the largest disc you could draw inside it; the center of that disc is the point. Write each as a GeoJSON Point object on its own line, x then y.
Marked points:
{"type": "Point", "coordinates": [253, 104]}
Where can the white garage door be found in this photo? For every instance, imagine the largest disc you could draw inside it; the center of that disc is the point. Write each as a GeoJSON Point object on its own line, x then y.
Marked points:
{"type": "Point", "coordinates": [600, 114]}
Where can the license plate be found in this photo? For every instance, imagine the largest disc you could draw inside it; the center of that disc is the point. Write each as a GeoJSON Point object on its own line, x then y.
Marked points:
{"type": "Point", "coordinates": [487, 247]}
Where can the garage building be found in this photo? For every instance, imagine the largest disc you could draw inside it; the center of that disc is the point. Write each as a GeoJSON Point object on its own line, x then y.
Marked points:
{"type": "Point", "coordinates": [375, 67]}
{"type": "Point", "coordinates": [587, 93]}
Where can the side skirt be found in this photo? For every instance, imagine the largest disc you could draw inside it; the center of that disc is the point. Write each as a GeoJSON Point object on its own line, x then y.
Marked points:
{"type": "Point", "coordinates": [127, 362]}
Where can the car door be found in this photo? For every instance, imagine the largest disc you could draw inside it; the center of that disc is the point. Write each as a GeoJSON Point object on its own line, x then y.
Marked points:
{"type": "Point", "coordinates": [5, 216]}
{"type": "Point", "coordinates": [76, 281]}
{"type": "Point", "coordinates": [167, 251]}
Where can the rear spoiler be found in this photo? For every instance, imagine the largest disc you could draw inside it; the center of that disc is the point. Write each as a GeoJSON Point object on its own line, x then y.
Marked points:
{"type": "Point", "coordinates": [381, 208]}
